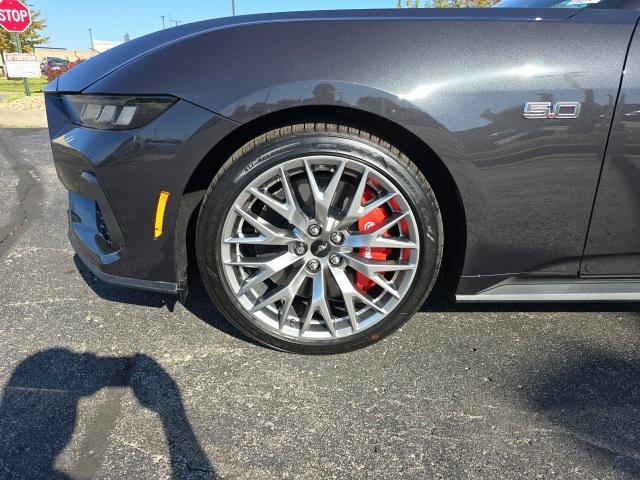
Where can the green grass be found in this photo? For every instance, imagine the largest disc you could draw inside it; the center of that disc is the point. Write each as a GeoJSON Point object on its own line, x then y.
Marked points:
{"type": "Point", "coordinates": [17, 86]}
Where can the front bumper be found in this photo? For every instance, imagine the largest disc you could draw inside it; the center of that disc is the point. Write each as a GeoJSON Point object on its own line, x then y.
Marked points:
{"type": "Point", "coordinates": [140, 284]}
{"type": "Point", "coordinates": [114, 179]}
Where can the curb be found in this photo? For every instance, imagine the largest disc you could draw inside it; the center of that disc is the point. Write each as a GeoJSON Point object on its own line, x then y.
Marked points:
{"type": "Point", "coordinates": [22, 118]}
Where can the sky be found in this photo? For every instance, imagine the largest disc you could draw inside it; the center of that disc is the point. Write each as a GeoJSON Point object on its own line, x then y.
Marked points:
{"type": "Point", "coordinates": [68, 20]}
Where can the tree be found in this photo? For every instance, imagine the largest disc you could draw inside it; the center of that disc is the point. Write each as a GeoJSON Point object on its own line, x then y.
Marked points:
{"type": "Point", "coordinates": [32, 37]}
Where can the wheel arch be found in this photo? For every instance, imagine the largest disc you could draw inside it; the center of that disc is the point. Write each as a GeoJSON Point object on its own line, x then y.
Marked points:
{"type": "Point", "coordinates": [441, 180]}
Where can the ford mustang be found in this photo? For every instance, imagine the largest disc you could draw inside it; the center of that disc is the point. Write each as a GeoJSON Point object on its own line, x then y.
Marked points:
{"type": "Point", "coordinates": [322, 172]}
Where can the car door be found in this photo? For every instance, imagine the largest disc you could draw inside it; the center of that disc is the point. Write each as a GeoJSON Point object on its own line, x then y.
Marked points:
{"type": "Point", "coordinates": [613, 241]}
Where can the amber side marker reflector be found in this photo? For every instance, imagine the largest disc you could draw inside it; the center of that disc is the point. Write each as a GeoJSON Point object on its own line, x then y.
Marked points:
{"type": "Point", "coordinates": [163, 198]}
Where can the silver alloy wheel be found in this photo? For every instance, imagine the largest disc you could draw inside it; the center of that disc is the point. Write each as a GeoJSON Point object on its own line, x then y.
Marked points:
{"type": "Point", "coordinates": [277, 282]}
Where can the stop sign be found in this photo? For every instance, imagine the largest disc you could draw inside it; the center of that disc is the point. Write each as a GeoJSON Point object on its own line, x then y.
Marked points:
{"type": "Point", "coordinates": [14, 16]}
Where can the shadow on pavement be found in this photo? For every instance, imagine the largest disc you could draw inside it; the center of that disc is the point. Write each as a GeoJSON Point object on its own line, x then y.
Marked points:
{"type": "Point", "coordinates": [124, 295]}
{"type": "Point", "coordinates": [38, 414]}
{"type": "Point", "coordinates": [592, 396]}
{"type": "Point", "coordinates": [199, 304]}
{"type": "Point", "coordinates": [198, 301]}
{"type": "Point", "coordinates": [596, 400]}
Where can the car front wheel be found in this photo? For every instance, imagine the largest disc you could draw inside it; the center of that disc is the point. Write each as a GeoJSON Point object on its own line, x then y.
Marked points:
{"type": "Point", "coordinates": [319, 238]}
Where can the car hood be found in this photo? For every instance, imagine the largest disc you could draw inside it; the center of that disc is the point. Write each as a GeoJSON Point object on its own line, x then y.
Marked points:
{"type": "Point", "coordinates": [92, 70]}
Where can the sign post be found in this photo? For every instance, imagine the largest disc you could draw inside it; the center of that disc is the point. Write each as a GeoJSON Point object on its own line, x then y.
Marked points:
{"type": "Point", "coordinates": [27, 92]}
{"type": "Point", "coordinates": [15, 17]}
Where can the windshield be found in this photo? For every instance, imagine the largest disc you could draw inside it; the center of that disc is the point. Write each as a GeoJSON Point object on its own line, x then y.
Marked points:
{"type": "Point", "coordinates": [615, 4]}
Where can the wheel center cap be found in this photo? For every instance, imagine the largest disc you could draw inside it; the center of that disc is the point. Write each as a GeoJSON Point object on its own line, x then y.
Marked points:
{"type": "Point", "coordinates": [320, 248]}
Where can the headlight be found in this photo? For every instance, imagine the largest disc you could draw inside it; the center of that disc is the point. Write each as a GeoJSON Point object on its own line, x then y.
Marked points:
{"type": "Point", "coordinates": [111, 112]}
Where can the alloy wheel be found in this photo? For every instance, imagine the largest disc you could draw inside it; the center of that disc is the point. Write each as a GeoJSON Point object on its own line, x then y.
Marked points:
{"type": "Point", "coordinates": [319, 247]}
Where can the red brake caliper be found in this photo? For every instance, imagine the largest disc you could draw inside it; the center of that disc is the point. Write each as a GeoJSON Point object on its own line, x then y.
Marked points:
{"type": "Point", "coordinates": [368, 222]}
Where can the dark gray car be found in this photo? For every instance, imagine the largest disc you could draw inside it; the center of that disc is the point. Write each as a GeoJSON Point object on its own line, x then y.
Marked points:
{"type": "Point", "coordinates": [323, 171]}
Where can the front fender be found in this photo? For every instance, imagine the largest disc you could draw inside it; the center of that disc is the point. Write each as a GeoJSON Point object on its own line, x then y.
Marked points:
{"type": "Point", "coordinates": [458, 84]}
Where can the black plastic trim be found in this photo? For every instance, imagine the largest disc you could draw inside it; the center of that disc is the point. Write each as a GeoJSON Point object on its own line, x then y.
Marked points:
{"type": "Point", "coordinates": [90, 188]}
{"type": "Point", "coordinates": [148, 285]}
{"type": "Point", "coordinates": [560, 290]}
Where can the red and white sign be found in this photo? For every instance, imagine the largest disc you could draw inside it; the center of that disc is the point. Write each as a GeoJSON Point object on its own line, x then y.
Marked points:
{"type": "Point", "coordinates": [14, 16]}
{"type": "Point", "coordinates": [22, 65]}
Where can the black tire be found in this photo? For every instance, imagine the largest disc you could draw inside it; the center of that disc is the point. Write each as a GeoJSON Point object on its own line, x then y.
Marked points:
{"type": "Point", "coordinates": [293, 141]}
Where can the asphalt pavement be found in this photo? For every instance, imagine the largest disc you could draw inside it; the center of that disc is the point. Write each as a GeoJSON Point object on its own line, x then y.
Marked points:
{"type": "Point", "coordinates": [107, 383]}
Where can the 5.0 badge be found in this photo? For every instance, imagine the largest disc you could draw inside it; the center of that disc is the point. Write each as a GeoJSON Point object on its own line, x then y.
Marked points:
{"type": "Point", "coordinates": [549, 110]}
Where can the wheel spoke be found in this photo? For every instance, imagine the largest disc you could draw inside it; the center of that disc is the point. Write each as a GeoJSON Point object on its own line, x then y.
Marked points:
{"type": "Point", "coordinates": [290, 210]}
{"type": "Point", "coordinates": [324, 200]}
{"type": "Point", "coordinates": [361, 265]}
{"type": "Point", "coordinates": [318, 303]}
{"type": "Point", "coordinates": [364, 240]}
{"type": "Point", "coordinates": [268, 234]}
{"type": "Point", "coordinates": [350, 294]}
{"type": "Point", "coordinates": [253, 281]}
{"type": "Point", "coordinates": [385, 284]}
{"type": "Point", "coordinates": [374, 238]}
{"type": "Point", "coordinates": [313, 185]}
{"type": "Point", "coordinates": [332, 187]}
{"type": "Point", "coordinates": [287, 189]}
{"type": "Point", "coordinates": [283, 314]}
{"type": "Point", "coordinates": [377, 202]}
{"type": "Point", "coordinates": [285, 293]}
{"type": "Point", "coordinates": [247, 239]}
{"type": "Point", "coordinates": [371, 267]}
{"type": "Point", "coordinates": [267, 266]}
{"type": "Point", "coordinates": [355, 211]}
{"type": "Point", "coordinates": [393, 242]}
{"type": "Point", "coordinates": [388, 223]}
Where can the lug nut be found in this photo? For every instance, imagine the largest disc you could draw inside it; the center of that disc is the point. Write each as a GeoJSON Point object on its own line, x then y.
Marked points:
{"type": "Point", "coordinates": [313, 265]}
{"type": "Point", "coordinates": [335, 259]}
{"type": "Point", "coordinates": [315, 230]}
{"type": "Point", "coordinates": [337, 238]}
{"type": "Point", "coordinates": [300, 248]}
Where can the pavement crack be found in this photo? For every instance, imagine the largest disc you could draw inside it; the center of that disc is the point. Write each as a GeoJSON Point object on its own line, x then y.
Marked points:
{"type": "Point", "coordinates": [41, 302]}
{"type": "Point", "coordinates": [39, 390]}
{"type": "Point", "coordinates": [29, 195]}
{"type": "Point", "coordinates": [134, 446]}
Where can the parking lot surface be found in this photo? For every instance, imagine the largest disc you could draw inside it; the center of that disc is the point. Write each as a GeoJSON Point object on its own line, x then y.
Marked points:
{"type": "Point", "coordinates": [107, 383]}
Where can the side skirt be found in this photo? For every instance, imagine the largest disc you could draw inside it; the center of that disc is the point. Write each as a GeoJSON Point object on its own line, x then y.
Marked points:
{"type": "Point", "coordinates": [559, 290]}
